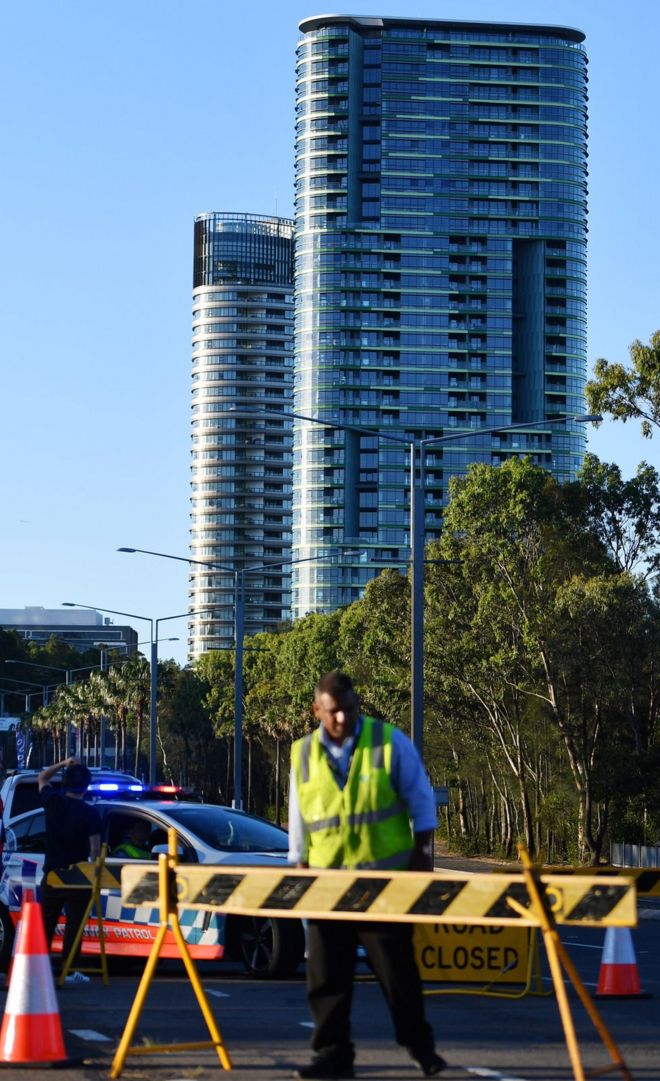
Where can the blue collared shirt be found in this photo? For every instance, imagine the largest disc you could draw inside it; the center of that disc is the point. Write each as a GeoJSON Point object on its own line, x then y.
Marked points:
{"type": "Point", "coordinates": [408, 777]}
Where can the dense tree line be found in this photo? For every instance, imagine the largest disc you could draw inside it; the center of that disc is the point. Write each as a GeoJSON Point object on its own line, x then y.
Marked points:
{"type": "Point", "coordinates": [542, 660]}
{"type": "Point", "coordinates": [542, 686]}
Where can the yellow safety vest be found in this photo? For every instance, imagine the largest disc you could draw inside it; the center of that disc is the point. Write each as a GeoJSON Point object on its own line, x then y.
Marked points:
{"type": "Point", "coordinates": [366, 823]}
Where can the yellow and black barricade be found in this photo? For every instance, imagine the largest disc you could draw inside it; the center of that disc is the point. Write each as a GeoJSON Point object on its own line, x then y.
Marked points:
{"type": "Point", "coordinates": [522, 900]}
{"type": "Point", "coordinates": [646, 879]}
{"type": "Point", "coordinates": [391, 896]}
{"type": "Point", "coordinates": [94, 877]}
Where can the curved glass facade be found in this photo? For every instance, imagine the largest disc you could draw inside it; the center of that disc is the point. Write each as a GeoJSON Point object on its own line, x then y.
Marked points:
{"type": "Point", "coordinates": [440, 226]}
{"type": "Point", "coordinates": [241, 458]}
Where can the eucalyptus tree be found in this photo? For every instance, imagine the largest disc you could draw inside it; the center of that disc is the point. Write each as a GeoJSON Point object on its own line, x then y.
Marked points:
{"type": "Point", "coordinates": [502, 635]}
{"type": "Point", "coordinates": [216, 671]}
{"type": "Point", "coordinates": [632, 392]}
{"type": "Point", "coordinates": [624, 514]}
{"type": "Point", "coordinates": [186, 730]}
{"type": "Point", "coordinates": [374, 643]}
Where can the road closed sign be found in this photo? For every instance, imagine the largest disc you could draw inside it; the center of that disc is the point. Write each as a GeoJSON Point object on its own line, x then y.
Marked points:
{"type": "Point", "coordinates": [470, 953]}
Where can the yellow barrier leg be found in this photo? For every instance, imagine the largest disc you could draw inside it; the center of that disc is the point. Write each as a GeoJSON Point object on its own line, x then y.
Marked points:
{"type": "Point", "coordinates": [587, 1002]}
{"type": "Point", "coordinates": [563, 1004]}
{"type": "Point", "coordinates": [68, 960]}
{"type": "Point", "coordinates": [138, 1002]}
{"type": "Point", "coordinates": [200, 994]}
{"type": "Point", "coordinates": [169, 917]}
{"type": "Point", "coordinates": [557, 957]}
{"type": "Point", "coordinates": [94, 902]}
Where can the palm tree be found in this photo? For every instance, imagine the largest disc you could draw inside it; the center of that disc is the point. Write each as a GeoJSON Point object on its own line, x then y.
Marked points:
{"type": "Point", "coordinates": [137, 674]}
{"type": "Point", "coordinates": [118, 691]}
{"type": "Point", "coordinates": [96, 696]}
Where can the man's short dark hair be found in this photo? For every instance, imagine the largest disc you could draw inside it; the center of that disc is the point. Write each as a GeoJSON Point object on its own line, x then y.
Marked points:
{"type": "Point", "coordinates": [76, 777]}
{"type": "Point", "coordinates": [334, 683]}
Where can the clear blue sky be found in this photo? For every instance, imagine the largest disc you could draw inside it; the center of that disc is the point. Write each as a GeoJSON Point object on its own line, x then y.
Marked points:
{"type": "Point", "coordinates": [120, 122]}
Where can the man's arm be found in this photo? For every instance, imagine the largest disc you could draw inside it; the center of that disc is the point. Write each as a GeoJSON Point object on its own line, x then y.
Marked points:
{"type": "Point", "coordinates": [297, 832]}
{"type": "Point", "coordinates": [411, 782]}
{"type": "Point", "coordinates": [46, 774]}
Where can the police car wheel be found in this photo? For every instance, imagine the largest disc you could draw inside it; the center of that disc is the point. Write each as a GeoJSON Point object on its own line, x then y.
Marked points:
{"type": "Point", "coordinates": [270, 948]}
{"type": "Point", "coordinates": [6, 938]}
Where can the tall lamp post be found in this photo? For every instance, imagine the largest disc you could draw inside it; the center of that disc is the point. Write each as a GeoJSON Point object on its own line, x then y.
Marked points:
{"type": "Point", "coordinates": [22, 689]}
{"type": "Point", "coordinates": [68, 672]}
{"type": "Point", "coordinates": [153, 673]}
{"type": "Point", "coordinates": [417, 455]}
{"type": "Point", "coordinates": [239, 575]}
{"type": "Point", "coordinates": [418, 545]}
{"type": "Point", "coordinates": [153, 669]}
{"type": "Point", "coordinates": [104, 649]}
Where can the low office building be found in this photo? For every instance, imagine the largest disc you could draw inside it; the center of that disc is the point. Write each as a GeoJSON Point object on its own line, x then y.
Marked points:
{"type": "Point", "coordinates": [81, 628]}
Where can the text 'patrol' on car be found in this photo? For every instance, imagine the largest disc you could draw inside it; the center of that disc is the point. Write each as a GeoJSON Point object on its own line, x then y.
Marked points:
{"type": "Point", "coordinates": [205, 834]}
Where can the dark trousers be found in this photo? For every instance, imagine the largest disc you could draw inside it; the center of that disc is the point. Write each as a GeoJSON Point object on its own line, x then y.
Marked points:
{"type": "Point", "coordinates": [331, 957]}
{"type": "Point", "coordinates": [53, 901]}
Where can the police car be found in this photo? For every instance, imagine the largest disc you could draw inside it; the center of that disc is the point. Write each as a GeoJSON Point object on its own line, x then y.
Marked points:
{"type": "Point", "coordinates": [20, 788]}
{"type": "Point", "coordinates": [205, 834]}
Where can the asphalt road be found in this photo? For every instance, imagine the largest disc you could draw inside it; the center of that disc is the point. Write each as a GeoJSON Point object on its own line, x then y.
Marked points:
{"type": "Point", "coordinates": [266, 1029]}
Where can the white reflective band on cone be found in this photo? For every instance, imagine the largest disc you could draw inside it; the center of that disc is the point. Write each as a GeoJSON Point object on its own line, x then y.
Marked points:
{"type": "Point", "coordinates": [31, 989]}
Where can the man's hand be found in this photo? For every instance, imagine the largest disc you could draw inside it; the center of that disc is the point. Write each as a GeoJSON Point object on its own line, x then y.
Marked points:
{"type": "Point", "coordinates": [422, 857]}
{"type": "Point", "coordinates": [45, 776]}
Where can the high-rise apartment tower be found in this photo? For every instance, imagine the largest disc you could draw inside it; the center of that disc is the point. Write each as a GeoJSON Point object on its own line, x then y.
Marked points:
{"type": "Point", "coordinates": [241, 454]}
{"type": "Point", "coordinates": [440, 272]}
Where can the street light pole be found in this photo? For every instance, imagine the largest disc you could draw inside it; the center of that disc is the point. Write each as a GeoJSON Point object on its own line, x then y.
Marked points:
{"type": "Point", "coordinates": [417, 453]}
{"type": "Point", "coordinates": [68, 672]}
{"type": "Point", "coordinates": [153, 670]}
{"type": "Point", "coordinates": [239, 632]}
{"type": "Point", "coordinates": [418, 546]}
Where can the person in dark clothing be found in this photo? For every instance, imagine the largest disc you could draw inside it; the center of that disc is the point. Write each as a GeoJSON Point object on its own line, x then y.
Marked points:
{"type": "Point", "coordinates": [73, 835]}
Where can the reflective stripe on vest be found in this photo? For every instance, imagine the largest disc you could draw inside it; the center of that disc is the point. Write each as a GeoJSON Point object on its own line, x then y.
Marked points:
{"type": "Point", "coordinates": [133, 852]}
{"type": "Point", "coordinates": [365, 824]}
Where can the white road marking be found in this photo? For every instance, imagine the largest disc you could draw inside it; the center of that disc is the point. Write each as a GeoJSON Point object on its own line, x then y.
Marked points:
{"type": "Point", "coordinates": [88, 1034]}
{"type": "Point", "coordinates": [306, 1024]}
{"type": "Point", "coordinates": [584, 946]}
{"type": "Point", "coordinates": [481, 1071]}
{"type": "Point", "coordinates": [218, 994]}
{"type": "Point", "coordinates": [548, 979]}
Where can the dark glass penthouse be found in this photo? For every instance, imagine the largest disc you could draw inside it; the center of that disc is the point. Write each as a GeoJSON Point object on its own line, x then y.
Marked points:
{"type": "Point", "coordinates": [440, 227]}
{"type": "Point", "coordinates": [241, 456]}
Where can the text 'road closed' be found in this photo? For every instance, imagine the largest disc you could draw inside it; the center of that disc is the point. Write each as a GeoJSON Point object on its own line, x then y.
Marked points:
{"type": "Point", "coordinates": [457, 953]}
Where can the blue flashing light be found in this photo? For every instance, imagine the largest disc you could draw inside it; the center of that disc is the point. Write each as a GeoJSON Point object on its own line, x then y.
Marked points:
{"type": "Point", "coordinates": [136, 788]}
{"type": "Point", "coordinates": [106, 787]}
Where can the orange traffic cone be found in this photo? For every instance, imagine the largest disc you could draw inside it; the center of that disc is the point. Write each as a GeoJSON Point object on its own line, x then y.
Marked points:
{"type": "Point", "coordinates": [31, 1030]}
{"type": "Point", "coordinates": [28, 895]}
{"type": "Point", "coordinates": [619, 975]}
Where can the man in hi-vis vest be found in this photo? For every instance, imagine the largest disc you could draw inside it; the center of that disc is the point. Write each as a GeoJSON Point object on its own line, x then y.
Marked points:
{"type": "Point", "coordinates": [359, 797]}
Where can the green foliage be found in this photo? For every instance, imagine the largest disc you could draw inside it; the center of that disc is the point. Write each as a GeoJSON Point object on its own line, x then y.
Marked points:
{"type": "Point", "coordinates": [215, 669]}
{"type": "Point", "coordinates": [541, 647]}
{"type": "Point", "coordinates": [629, 393]}
{"type": "Point", "coordinates": [624, 515]}
{"type": "Point", "coordinates": [192, 756]}
{"type": "Point", "coordinates": [373, 638]}
{"type": "Point", "coordinates": [542, 662]}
